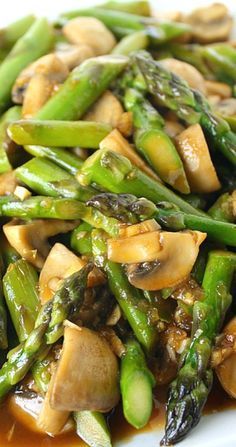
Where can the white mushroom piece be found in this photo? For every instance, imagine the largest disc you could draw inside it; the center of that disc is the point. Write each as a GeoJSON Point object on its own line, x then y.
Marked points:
{"type": "Point", "coordinates": [226, 357]}
{"type": "Point", "coordinates": [210, 23]}
{"type": "Point", "coordinates": [73, 55]}
{"type": "Point", "coordinates": [156, 259]}
{"type": "Point", "coordinates": [186, 71]}
{"type": "Point", "coordinates": [90, 31]}
{"type": "Point", "coordinates": [61, 263]}
{"type": "Point", "coordinates": [37, 82]}
{"type": "Point", "coordinates": [86, 377]}
{"type": "Point", "coordinates": [30, 239]}
{"type": "Point", "coordinates": [8, 183]}
{"type": "Point", "coordinates": [193, 150]}
{"type": "Point", "coordinates": [108, 109]}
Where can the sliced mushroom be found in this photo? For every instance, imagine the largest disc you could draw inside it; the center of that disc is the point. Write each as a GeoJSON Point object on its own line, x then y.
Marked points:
{"type": "Point", "coordinates": [73, 55]}
{"type": "Point", "coordinates": [90, 31]}
{"type": "Point", "coordinates": [51, 421]}
{"type": "Point", "coordinates": [173, 263]}
{"type": "Point", "coordinates": [226, 107]}
{"type": "Point", "coordinates": [37, 93]}
{"type": "Point", "coordinates": [226, 370]}
{"type": "Point", "coordinates": [173, 128]}
{"type": "Point", "coordinates": [210, 23]}
{"type": "Point", "coordinates": [218, 88]}
{"type": "Point", "coordinates": [117, 143]}
{"type": "Point", "coordinates": [30, 239]}
{"type": "Point", "coordinates": [86, 377]}
{"type": "Point", "coordinates": [186, 71]}
{"type": "Point", "coordinates": [49, 70]}
{"type": "Point", "coordinates": [107, 109]}
{"type": "Point", "coordinates": [140, 248]}
{"type": "Point", "coordinates": [61, 263]}
{"type": "Point", "coordinates": [142, 227]}
{"type": "Point", "coordinates": [8, 183]}
{"type": "Point", "coordinates": [194, 152]}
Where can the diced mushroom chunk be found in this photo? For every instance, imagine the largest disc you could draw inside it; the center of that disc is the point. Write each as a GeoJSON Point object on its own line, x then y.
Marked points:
{"type": "Point", "coordinates": [8, 183]}
{"type": "Point", "coordinates": [87, 374]}
{"type": "Point", "coordinates": [74, 55]}
{"type": "Point", "coordinates": [30, 239]}
{"type": "Point", "coordinates": [90, 31]}
{"type": "Point", "coordinates": [210, 23]}
{"type": "Point", "coordinates": [194, 152]}
{"type": "Point", "coordinates": [186, 71]}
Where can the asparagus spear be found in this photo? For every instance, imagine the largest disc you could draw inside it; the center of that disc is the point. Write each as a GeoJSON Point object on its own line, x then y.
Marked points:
{"type": "Point", "coordinates": [81, 239]}
{"type": "Point", "coordinates": [3, 313]}
{"type": "Point", "coordinates": [81, 89]}
{"type": "Point", "coordinates": [222, 209]}
{"type": "Point", "coordinates": [115, 173]}
{"type": "Point", "coordinates": [91, 426]}
{"type": "Point", "coordinates": [20, 290]}
{"type": "Point", "coordinates": [153, 143]}
{"type": "Point", "coordinates": [129, 298]}
{"type": "Point", "coordinates": [189, 391]}
{"type": "Point", "coordinates": [158, 31]}
{"type": "Point", "coordinates": [44, 177]}
{"type": "Point", "coordinates": [141, 7]}
{"type": "Point", "coordinates": [61, 157]}
{"type": "Point", "coordinates": [136, 384]}
{"type": "Point", "coordinates": [84, 134]}
{"type": "Point", "coordinates": [33, 44]}
{"type": "Point", "coordinates": [12, 114]}
{"type": "Point", "coordinates": [14, 31]}
{"type": "Point", "coordinates": [190, 105]}
{"type": "Point", "coordinates": [167, 215]}
{"type": "Point", "coordinates": [133, 42]}
{"type": "Point", "coordinates": [70, 296]}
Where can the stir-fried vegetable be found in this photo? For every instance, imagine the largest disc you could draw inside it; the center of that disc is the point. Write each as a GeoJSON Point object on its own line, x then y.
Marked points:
{"type": "Point", "coordinates": [118, 217]}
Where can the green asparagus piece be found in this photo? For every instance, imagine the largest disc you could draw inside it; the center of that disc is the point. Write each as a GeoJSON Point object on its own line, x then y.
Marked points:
{"type": "Point", "coordinates": [91, 426]}
{"type": "Point", "coordinates": [84, 134]}
{"type": "Point", "coordinates": [222, 209]}
{"type": "Point", "coordinates": [65, 304]}
{"type": "Point", "coordinates": [133, 42]}
{"type": "Point", "coordinates": [153, 143]}
{"type": "Point", "coordinates": [12, 114]}
{"type": "Point", "coordinates": [168, 216]}
{"type": "Point", "coordinates": [140, 7]}
{"type": "Point", "coordinates": [81, 239]}
{"type": "Point", "coordinates": [190, 105]}
{"type": "Point", "coordinates": [20, 291]}
{"type": "Point", "coordinates": [136, 384]}
{"type": "Point", "coordinates": [129, 298]}
{"type": "Point", "coordinates": [34, 43]}
{"type": "Point", "coordinates": [189, 391]}
{"type": "Point", "coordinates": [42, 207]}
{"type": "Point", "coordinates": [14, 31]}
{"type": "Point", "coordinates": [44, 177]}
{"type": "Point", "coordinates": [9, 254]}
{"type": "Point", "coordinates": [82, 88]}
{"type": "Point", "coordinates": [41, 371]}
{"type": "Point", "coordinates": [3, 313]}
{"type": "Point", "coordinates": [115, 173]}
{"type": "Point", "coordinates": [159, 31]}
{"type": "Point", "coordinates": [61, 157]}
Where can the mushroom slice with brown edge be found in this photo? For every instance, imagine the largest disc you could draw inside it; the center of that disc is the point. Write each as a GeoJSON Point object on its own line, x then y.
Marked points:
{"type": "Point", "coordinates": [226, 370]}
{"type": "Point", "coordinates": [193, 150]}
{"type": "Point", "coordinates": [186, 71]}
{"type": "Point", "coordinates": [61, 263]}
{"type": "Point", "coordinates": [86, 377]}
{"type": "Point", "coordinates": [36, 83]}
{"type": "Point", "coordinates": [173, 263]}
{"type": "Point", "coordinates": [90, 31]}
{"type": "Point", "coordinates": [30, 239]}
{"type": "Point", "coordinates": [115, 142]}
{"type": "Point", "coordinates": [210, 23]}
{"type": "Point", "coordinates": [8, 183]}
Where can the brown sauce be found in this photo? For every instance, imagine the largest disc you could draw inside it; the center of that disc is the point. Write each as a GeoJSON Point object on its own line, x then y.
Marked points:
{"type": "Point", "coordinates": [15, 434]}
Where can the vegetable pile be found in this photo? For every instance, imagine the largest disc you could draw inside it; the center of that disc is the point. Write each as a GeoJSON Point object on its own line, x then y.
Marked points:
{"type": "Point", "coordinates": [118, 213]}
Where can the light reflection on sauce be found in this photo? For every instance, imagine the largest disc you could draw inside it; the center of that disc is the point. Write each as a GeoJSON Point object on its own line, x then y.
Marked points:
{"type": "Point", "coordinates": [15, 434]}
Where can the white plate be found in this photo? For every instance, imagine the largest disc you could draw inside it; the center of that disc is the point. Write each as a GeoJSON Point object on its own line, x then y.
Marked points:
{"type": "Point", "coordinates": [216, 430]}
